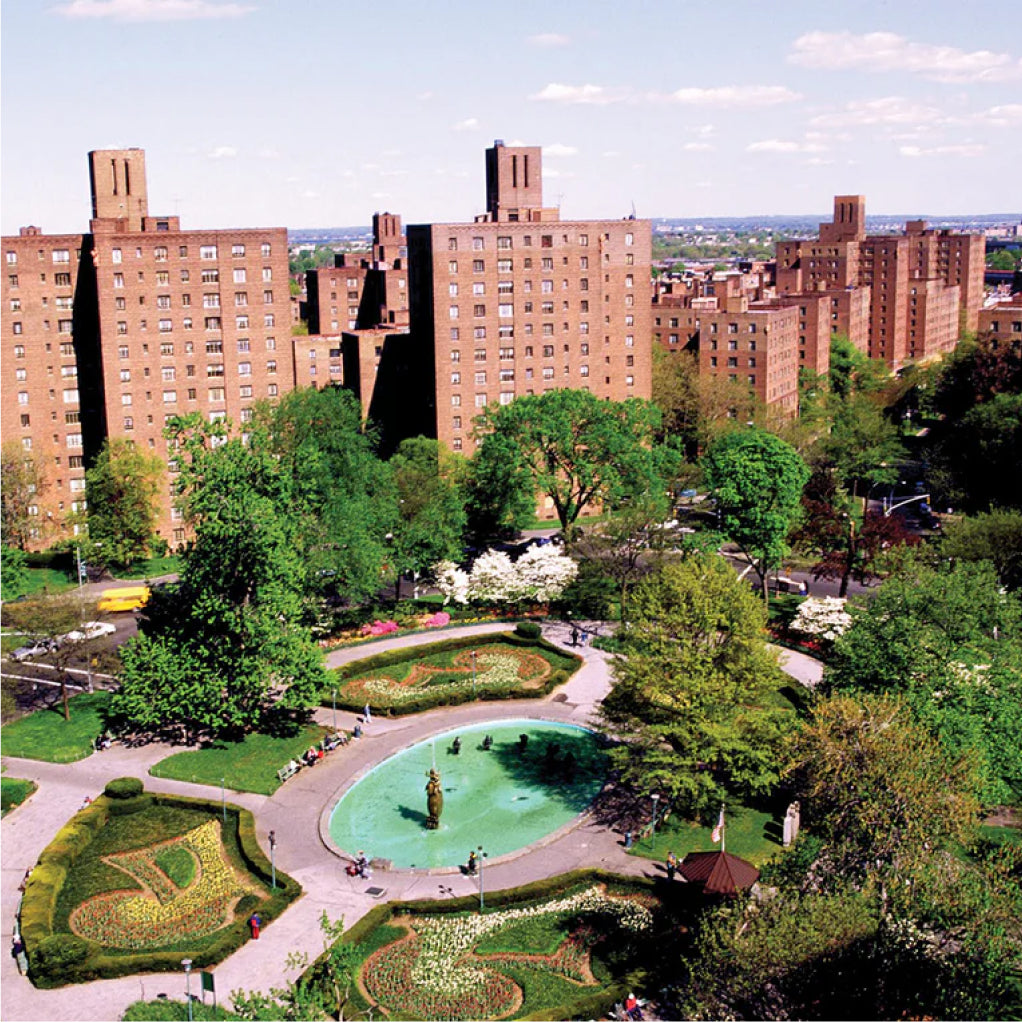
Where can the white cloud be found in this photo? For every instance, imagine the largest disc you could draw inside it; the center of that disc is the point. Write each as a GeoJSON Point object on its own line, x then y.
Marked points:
{"type": "Point", "coordinates": [469, 124]}
{"type": "Point", "coordinates": [886, 110]}
{"type": "Point", "coordinates": [597, 95]}
{"type": "Point", "coordinates": [152, 10]}
{"type": "Point", "coordinates": [968, 150]}
{"type": "Point", "coordinates": [698, 147]}
{"type": "Point", "coordinates": [778, 145]}
{"type": "Point", "coordinates": [886, 51]}
{"type": "Point", "coordinates": [222, 152]}
{"type": "Point", "coordinates": [734, 95]}
{"type": "Point", "coordinates": [269, 154]}
{"type": "Point", "coordinates": [549, 39]}
{"type": "Point", "coordinates": [557, 149]}
{"type": "Point", "coordinates": [1002, 116]}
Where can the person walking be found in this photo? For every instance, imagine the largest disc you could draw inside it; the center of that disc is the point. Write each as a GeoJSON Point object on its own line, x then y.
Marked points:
{"type": "Point", "coordinates": [367, 716]}
{"type": "Point", "coordinates": [672, 865]}
{"type": "Point", "coordinates": [470, 866]}
{"type": "Point", "coordinates": [255, 922]}
{"type": "Point", "coordinates": [19, 954]}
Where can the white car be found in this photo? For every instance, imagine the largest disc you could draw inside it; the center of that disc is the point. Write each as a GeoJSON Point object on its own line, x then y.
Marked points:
{"type": "Point", "coordinates": [90, 630]}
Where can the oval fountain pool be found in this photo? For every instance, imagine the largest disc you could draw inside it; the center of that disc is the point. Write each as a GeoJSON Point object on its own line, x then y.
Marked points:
{"type": "Point", "coordinates": [503, 798]}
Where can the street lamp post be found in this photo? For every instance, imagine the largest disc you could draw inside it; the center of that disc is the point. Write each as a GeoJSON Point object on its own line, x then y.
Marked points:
{"type": "Point", "coordinates": [187, 964]}
{"type": "Point", "coordinates": [652, 830]}
{"type": "Point", "coordinates": [273, 860]}
{"type": "Point", "coordinates": [482, 859]}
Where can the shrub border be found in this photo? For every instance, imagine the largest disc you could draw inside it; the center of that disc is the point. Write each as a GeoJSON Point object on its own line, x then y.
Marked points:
{"type": "Point", "coordinates": [428, 701]}
{"type": "Point", "coordinates": [50, 873]}
{"type": "Point", "coordinates": [591, 1005]}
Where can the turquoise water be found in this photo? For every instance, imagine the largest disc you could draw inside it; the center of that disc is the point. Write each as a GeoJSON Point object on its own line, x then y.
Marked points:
{"type": "Point", "coordinates": [502, 799]}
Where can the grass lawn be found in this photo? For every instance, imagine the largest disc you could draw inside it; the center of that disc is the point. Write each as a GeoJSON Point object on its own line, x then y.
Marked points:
{"type": "Point", "coordinates": [14, 791]}
{"type": "Point", "coordinates": [46, 735]}
{"type": "Point", "coordinates": [248, 765]}
{"type": "Point", "coordinates": [152, 568]}
{"type": "Point", "coordinates": [747, 836]}
{"type": "Point", "coordinates": [47, 580]}
{"type": "Point", "coordinates": [166, 1010]}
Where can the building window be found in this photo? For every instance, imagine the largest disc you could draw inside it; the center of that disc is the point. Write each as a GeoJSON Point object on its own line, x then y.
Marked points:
{"type": "Point", "coordinates": [481, 379]}
{"type": "Point", "coordinates": [478, 310]}
{"type": "Point", "coordinates": [207, 251]}
{"type": "Point", "coordinates": [478, 243]}
{"type": "Point", "coordinates": [455, 356]}
{"type": "Point", "coordinates": [455, 379]}
{"type": "Point", "coordinates": [244, 368]}
{"type": "Point", "coordinates": [241, 322]}
{"type": "Point", "coordinates": [169, 397]}
{"type": "Point", "coordinates": [452, 312]}
{"type": "Point", "coordinates": [456, 443]}
{"type": "Point", "coordinates": [456, 400]}
{"type": "Point", "coordinates": [452, 290]}
{"type": "Point", "coordinates": [271, 368]}
{"type": "Point", "coordinates": [480, 400]}
{"type": "Point", "coordinates": [503, 241]}
{"type": "Point", "coordinates": [452, 266]}
{"type": "Point", "coordinates": [212, 322]}
{"type": "Point", "coordinates": [480, 355]}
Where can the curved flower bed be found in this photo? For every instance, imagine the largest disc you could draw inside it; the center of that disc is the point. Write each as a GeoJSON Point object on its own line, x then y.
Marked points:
{"type": "Point", "coordinates": [434, 974]}
{"type": "Point", "coordinates": [163, 913]}
{"type": "Point", "coordinates": [494, 672]}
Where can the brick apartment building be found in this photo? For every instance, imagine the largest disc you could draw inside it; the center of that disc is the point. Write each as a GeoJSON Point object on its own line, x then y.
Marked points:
{"type": "Point", "coordinates": [754, 343]}
{"type": "Point", "coordinates": [1003, 319]}
{"type": "Point", "coordinates": [117, 330]}
{"type": "Point", "coordinates": [925, 285]}
{"type": "Point", "coordinates": [521, 302]}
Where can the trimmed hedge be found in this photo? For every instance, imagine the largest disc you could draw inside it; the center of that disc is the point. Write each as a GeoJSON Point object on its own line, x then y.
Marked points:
{"type": "Point", "coordinates": [528, 630]}
{"type": "Point", "coordinates": [587, 1005]}
{"type": "Point", "coordinates": [60, 957]}
{"type": "Point", "coordinates": [431, 698]}
{"type": "Point", "coordinates": [124, 787]}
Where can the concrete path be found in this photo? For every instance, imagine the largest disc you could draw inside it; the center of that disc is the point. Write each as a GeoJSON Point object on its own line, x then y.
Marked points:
{"type": "Point", "coordinates": [296, 812]}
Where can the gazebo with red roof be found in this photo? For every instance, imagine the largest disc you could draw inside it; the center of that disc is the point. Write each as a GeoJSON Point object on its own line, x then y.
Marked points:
{"type": "Point", "coordinates": [718, 872]}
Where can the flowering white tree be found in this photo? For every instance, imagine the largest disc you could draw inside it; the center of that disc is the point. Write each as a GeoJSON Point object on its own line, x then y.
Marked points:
{"type": "Point", "coordinates": [493, 578]}
{"type": "Point", "coordinates": [544, 572]}
{"type": "Point", "coordinates": [451, 581]}
{"type": "Point", "coordinates": [540, 574]}
{"type": "Point", "coordinates": [823, 617]}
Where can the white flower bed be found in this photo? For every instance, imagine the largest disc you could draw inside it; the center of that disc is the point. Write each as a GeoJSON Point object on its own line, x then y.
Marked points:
{"type": "Point", "coordinates": [824, 617]}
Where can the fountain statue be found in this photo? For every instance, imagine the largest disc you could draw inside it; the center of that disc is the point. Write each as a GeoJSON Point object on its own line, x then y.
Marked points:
{"type": "Point", "coordinates": [434, 800]}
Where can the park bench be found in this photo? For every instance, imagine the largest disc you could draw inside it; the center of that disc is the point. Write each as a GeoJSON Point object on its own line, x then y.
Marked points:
{"type": "Point", "coordinates": [331, 742]}
{"type": "Point", "coordinates": [288, 770]}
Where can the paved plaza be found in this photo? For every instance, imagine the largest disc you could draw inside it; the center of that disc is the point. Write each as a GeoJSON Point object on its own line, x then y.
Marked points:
{"type": "Point", "coordinates": [297, 812]}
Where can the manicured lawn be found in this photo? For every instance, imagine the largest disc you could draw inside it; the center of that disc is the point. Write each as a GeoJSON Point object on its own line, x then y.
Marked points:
{"type": "Point", "coordinates": [248, 765]}
{"type": "Point", "coordinates": [14, 791]}
{"type": "Point", "coordinates": [152, 568]}
{"type": "Point", "coordinates": [174, 1011]}
{"type": "Point", "coordinates": [746, 836]}
{"type": "Point", "coordinates": [47, 580]}
{"type": "Point", "coordinates": [46, 735]}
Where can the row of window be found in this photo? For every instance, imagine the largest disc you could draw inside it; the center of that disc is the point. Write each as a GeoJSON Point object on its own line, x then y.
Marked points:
{"type": "Point", "coordinates": [161, 252]}
{"type": "Point", "coordinates": [506, 241]}
{"type": "Point", "coordinates": [507, 265]}
{"type": "Point", "coordinates": [507, 287]}
{"type": "Point", "coordinates": [212, 324]}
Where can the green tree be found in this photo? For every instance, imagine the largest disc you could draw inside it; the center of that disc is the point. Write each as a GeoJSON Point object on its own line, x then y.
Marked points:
{"type": "Point", "coordinates": [13, 573]}
{"type": "Point", "coordinates": [500, 497]}
{"type": "Point", "coordinates": [1001, 259]}
{"type": "Point", "coordinates": [581, 451]}
{"type": "Point", "coordinates": [994, 536]}
{"type": "Point", "coordinates": [629, 543]}
{"type": "Point", "coordinates": [343, 494]}
{"type": "Point", "coordinates": [22, 484]}
{"type": "Point", "coordinates": [123, 487]}
{"type": "Point", "coordinates": [757, 479]}
{"type": "Point", "coordinates": [431, 507]}
{"type": "Point", "coordinates": [879, 789]}
{"type": "Point", "coordinates": [949, 641]}
{"type": "Point", "coordinates": [225, 650]}
{"type": "Point", "coordinates": [694, 701]}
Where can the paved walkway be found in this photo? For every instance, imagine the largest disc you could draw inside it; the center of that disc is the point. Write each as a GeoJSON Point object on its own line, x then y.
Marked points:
{"type": "Point", "coordinates": [296, 812]}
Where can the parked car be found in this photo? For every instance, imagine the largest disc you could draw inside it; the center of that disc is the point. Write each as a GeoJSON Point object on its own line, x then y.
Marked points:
{"type": "Point", "coordinates": [38, 647]}
{"type": "Point", "coordinates": [90, 630]}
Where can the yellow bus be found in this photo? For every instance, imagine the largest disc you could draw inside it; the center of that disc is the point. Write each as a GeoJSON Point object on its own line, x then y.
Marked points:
{"type": "Point", "coordinates": [114, 601]}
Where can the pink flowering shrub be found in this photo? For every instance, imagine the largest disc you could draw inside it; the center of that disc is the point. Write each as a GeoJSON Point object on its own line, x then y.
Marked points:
{"type": "Point", "coordinates": [379, 628]}
{"type": "Point", "coordinates": [438, 620]}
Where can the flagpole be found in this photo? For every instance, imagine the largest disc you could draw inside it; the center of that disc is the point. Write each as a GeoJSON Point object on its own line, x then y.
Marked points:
{"type": "Point", "coordinates": [723, 830]}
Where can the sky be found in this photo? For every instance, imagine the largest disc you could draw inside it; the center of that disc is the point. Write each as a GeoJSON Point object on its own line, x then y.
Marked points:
{"type": "Point", "coordinates": [316, 113]}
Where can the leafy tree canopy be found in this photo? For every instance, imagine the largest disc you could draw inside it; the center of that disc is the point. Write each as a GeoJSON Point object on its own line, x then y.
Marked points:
{"type": "Point", "coordinates": [123, 488]}
{"type": "Point", "coordinates": [949, 641]}
{"type": "Point", "coordinates": [994, 536]}
{"type": "Point", "coordinates": [757, 479]}
{"type": "Point", "coordinates": [695, 699]}
{"type": "Point", "coordinates": [581, 451]}
{"type": "Point", "coordinates": [22, 483]}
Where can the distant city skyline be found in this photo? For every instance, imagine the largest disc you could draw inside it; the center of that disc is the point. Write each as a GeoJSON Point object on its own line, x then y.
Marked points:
{"type": "Point", "coordinates": [316, 114]}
